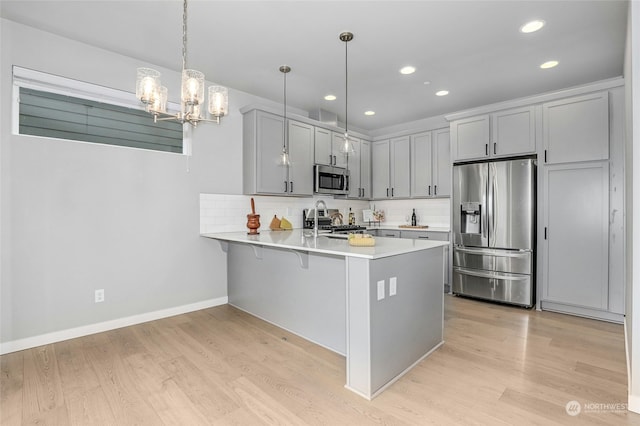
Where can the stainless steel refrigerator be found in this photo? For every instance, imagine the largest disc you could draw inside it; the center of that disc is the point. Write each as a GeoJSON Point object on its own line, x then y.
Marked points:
{"type": "Point", "coordinates": [494, 230]}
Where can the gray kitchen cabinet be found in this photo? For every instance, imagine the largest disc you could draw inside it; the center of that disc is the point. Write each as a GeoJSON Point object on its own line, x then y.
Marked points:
{"type": "Point", "coordinates": [262, 146]}
{"type": "Point", "coordinates": [300, 170]}
{"type": "Point", "coordinates": [437, 236]}
{"type": "Point", "coordinates": [353, 164]}
{"type": "Point", "coordinates": [322, 146]}
{"type": "Point", "coordinates": [327, 148]}
{"type": "Point", "coordinates": [513, 132]}
{"type": "Point", "coordinates": [380, 166]}
{"type": "Point", "coordinates": [391, 175]}
{"type": "Point", "coordinates": [359, 165]}
{"type": "Point", "coordinates": [430, 164]}
{"type": "Point", "coordinates": [390, 233]}
{"type": "Point", "coordinates": [576, 232]}
{"type": "Point", "coordinates": [500, 134]}
{"type": "Point", "coordinates": [425, 235]}
{"type": "Point", "coordinates": [470, 138]}
{"type": "Point", "coordinates": [337, 140]}
{"type": "Point", "coordinates": [400, 171]}
{"type": "Point", "coordinates": [365, 169]}
{"type": "Point", "coordinates": [576, 129]}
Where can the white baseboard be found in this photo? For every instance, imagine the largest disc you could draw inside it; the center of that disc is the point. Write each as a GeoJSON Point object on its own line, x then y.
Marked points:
{"type": "Point", "coordinates": [634, 403]}
{"type": "Point", "coordinates": [72, 333]}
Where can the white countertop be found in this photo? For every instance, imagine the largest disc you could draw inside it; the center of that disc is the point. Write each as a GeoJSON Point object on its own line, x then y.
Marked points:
{"type": "Point", "coordinates": [295, 240]}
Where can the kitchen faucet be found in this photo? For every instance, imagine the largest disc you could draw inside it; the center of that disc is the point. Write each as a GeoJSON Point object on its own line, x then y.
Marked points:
{"type": "Point", "coordinates": [317, 216]}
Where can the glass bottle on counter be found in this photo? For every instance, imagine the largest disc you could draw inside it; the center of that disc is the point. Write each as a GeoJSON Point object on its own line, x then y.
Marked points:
{"type": "Point", "coordinates": [352, 217]}
{"type": "Point", "coordinates": [414, 219]}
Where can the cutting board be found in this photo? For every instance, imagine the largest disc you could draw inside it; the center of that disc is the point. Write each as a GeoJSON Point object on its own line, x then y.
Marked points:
{"type": "Point", "coordinates": [414, 226]}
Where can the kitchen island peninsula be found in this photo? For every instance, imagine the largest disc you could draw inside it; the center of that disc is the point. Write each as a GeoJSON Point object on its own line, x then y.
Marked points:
{"type": "Point", "coordinates": [381, 307]}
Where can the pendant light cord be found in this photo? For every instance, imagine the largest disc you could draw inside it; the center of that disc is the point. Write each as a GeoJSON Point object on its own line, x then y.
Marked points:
{"type": "Point", "coordinates": [284, 124]}
{"type": "Point", "coordinates": [346, 89]}
{"type": "Point", "coordinates": [184, 35]}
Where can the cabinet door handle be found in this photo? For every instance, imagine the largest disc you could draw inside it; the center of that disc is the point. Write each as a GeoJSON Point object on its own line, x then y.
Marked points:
{"type": "Point", "coordinates": [330, 159]}
{"type": "Point", "coordinates": [545, 155]}
{"type": "Point", "coordinates": [494, 148]}
{"type": "Point", "coordinates": [545, 232]}
{"type": "Point", "coordinates": [387, 192]}
{"type": "Point", "coordinates": [335, 160]}
{"type": "Point", "coordinates": [486, 149]}
{"type": "Point", "coordinates": [392, 192]}
{"type": "Point", "coordinates": [291, 186]}
{"type": "Point", "coordinates": [422, 237]}
{"type": "Point", "coordinates": [429, 190]}
{"type": "Point", "coordinates": [286, 186]}
{"type": "Point", "coordinates": [435, 189]}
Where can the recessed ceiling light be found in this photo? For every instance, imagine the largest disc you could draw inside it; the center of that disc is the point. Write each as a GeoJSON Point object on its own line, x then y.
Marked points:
{"type": "Point", "coordinates": [442, 93]}
{"type": "Point", "coordinates": [369, 113]}
{"type": "Point", "coordinates": [407, 70]}
{"type": "Point", "coordinates": [426, 82]}
{"type": "Point", "coordinates": [531, 27]}
{"type": "Point", "coordinates": [549, 64]}
{"type": "Point", "coordinates": [330, 98]}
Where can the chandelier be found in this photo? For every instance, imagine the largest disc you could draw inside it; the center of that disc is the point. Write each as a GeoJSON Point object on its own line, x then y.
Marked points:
{"type": "Point", "coordinates": [151, 92]}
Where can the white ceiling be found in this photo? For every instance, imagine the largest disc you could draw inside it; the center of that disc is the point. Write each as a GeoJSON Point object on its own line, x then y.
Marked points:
{"type": "Point", "coordinates": [472, 48]}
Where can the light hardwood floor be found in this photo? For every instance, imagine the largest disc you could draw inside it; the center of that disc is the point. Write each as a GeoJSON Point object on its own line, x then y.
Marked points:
{"type": "Point", "coordinates": [499, 366]}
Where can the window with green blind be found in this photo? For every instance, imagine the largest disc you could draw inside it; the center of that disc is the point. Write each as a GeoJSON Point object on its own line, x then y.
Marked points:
{"type": "Point", "coordinates": [65, 117]}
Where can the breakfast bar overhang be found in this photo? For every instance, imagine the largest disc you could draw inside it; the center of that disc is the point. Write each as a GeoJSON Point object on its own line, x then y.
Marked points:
{"type": "Point", "coordinates": [381, 307]}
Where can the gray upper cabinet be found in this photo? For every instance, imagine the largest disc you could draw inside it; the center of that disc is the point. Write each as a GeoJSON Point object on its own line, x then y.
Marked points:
{"type": "Point", "coordinates": [390, 161]}
{"type": "Point", "coordinates": [262, 145]}
{"type": "Point", "coordinates": [327, 148]}
{"type": "Point", "coordinates": [400, 172]}
{"type": "Point", "coordinates": [421, 165]}
{"type": "Point", "coordinates": [430, 164]}
{"type": "Point", "coordinates": [359, 165]}
{"type": "Point", "coordinates": [322, 148]}
{"type": "Point", "coordinates": [353, 164]}
{"type": "Point", "coordinates": [513, 132]}
{"type": "Point", "coordinates": [365, 169]}
{"type": "Point", "coordinates": [380, 166]}
{"type": "Point", "coordinates": [501, 134]}
{"type": "Point", "coordinates": [576, 129]}
{"type": "Point", "coordinates": [337, 140]}
{"type": "Point", "coordinates": [442, 163]}
{"type": "Point", "coordinates": [300, 171]}
{"type": "Point", "coordinates": [470, 138]}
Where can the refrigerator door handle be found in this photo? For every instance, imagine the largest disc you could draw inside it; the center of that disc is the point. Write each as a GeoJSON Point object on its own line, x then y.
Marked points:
{"type": "Point", "coordinates": [492, 205]}
{"type": "Point", "coordinates": [496, 275]}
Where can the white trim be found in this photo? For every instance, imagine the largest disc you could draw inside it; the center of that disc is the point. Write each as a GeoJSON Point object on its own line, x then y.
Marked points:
{"type": "Point", "coordinates": [37, 80]}
{"type": "Point", "coordinates": [72, 333]}
{"type": "Point", "coordinates": [537, 99]}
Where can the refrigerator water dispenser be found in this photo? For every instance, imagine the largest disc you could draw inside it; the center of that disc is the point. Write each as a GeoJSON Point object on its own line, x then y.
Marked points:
{"type": "Point", "coordinates": [470, 215]}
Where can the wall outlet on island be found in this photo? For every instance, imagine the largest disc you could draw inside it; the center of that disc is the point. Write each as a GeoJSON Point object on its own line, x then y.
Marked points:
{"type": "Point", "coordinates": [99, 295]}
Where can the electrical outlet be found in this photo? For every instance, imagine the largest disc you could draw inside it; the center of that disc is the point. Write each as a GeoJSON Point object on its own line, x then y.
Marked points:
{"type": "Point", "coordinates": [393, 286]}
{"type": "Point", "coordinates": [99, 296]}
{"type": "Point", "coordinates": [380, 289]}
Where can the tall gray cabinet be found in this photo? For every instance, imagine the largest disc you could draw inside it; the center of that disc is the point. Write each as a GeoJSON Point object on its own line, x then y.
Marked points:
{"type": "Point", "coordinates": [576, 208]}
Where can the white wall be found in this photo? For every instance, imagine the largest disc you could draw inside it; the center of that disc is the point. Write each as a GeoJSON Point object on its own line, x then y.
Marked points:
{"type": "Point", "coordinates": [76, 217]}
{"type": "Point", "coordinates": [632, 200]}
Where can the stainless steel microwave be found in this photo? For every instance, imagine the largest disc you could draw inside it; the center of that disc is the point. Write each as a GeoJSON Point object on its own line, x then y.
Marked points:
{"type": "Point", "coordinates": [330, 180]}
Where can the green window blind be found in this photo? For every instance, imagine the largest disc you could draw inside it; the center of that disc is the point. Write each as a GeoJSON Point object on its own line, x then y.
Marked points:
{"type": "Point", "coordinates": [65, 117]}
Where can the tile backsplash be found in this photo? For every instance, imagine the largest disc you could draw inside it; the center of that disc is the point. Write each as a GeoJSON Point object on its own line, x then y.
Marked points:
{"type": "Point", "coordinates": [228, 213]}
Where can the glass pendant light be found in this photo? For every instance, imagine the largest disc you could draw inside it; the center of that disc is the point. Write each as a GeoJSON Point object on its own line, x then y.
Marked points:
{"type": "Point", "coordinates": [346, 147]}
{"type": "Point", "coordinates": [284, 156]}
